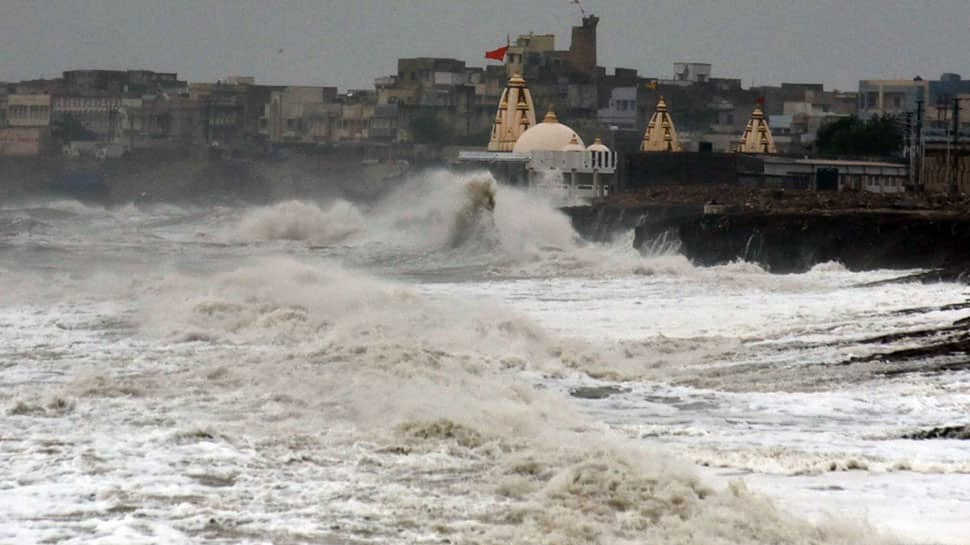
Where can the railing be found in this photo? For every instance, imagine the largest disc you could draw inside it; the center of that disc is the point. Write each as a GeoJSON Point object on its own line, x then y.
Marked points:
{"type": "Point", "coordinates": [579, 161]}
{"type": "Point", "coordinates": [493, 157]}
{"type": "Point", "coordinates": [561, 191]}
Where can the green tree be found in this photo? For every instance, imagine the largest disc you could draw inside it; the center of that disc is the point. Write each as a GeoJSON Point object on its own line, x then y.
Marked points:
{"type": "Point", "coordinates": [851, 136]}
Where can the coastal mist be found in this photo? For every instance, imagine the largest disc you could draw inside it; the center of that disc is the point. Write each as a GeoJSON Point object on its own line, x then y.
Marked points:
{"type": "Point", "coordinates": [453, 362]}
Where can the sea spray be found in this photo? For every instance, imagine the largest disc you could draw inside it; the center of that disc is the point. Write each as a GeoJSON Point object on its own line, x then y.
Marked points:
{"type": "Point", "coordinates": [469, 222]}
{"type": "Point", "coordinates": [297, 220]}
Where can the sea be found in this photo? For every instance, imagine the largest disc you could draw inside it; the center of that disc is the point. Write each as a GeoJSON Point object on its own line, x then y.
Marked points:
{"type": "Point", "coordinates": [429, 368]}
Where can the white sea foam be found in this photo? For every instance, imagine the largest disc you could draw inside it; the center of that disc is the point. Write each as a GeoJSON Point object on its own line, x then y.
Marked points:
{"type": "Point", "coordinates": [418, 376]}
{"type": "Point", "coordinates": [296, 220]}
{"type": "Point", "coordinates": [225, 393]}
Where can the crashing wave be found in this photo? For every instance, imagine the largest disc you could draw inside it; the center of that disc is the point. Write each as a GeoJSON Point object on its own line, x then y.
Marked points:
{"type": "Point", "coordinates": [298, 220]}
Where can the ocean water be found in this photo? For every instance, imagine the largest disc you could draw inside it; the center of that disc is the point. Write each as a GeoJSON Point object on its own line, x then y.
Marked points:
{"type": "Point", "coordinates": [427, 370]}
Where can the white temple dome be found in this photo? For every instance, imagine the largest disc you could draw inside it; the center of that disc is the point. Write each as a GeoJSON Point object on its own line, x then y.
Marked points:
{"type": "Point", "coordinates": [550, 135]}
{"type": "Point", "coordinates": [573, 145]}
{"type": "Point", "coordinates": [598, 145]}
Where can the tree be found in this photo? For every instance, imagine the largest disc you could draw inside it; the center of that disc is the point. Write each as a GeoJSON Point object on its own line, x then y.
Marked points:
{"type": "Point", "coordinates": [427, 128]}
{"type": "Point", "coordinates": [70, 129]}
{"type": "Point", "coordinates": [852, 136]}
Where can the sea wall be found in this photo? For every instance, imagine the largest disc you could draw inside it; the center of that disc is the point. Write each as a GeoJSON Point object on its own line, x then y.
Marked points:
{"type": "Point", "coordinates": [601, 222]}
{"type": "Point", "coordinates": [791, 241]}
{"type": "Point", "coordinates": [794, 242]}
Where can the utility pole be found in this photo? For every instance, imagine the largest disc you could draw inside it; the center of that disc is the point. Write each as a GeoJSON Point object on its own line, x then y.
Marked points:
{"type": "Point", "coordinates": [955, 154]}
{"type": "Point", "coordinates": [910, 147]}
{"type": "Point", "coordinates": [918, 166]}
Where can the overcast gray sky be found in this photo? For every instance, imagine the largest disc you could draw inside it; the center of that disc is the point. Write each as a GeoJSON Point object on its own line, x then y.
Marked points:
{"type": "Point", "coordinates": [349, 42]}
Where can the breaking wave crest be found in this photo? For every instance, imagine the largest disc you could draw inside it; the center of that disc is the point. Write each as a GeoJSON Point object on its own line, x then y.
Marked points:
{"type": "Point", "coordinates": [297, 220]}
{"type": "Point", "coordinates": [445, 220]}
{"type": "Point", "coordinates": [438, 220]}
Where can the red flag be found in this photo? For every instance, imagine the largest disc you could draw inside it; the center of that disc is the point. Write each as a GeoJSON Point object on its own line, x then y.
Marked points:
{"type": "Point", "coordinates": [760, 101]}
{"type": "Point", "coordinates": [497, 54]}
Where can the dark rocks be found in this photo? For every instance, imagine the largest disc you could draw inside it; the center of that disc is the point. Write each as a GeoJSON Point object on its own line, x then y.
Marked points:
{"type": "Point", "coordinates": [941, 349]}
{"type": "Point", "coordinates": [946, 432]}
{"type": "Point", "coordinates": [595, 392]}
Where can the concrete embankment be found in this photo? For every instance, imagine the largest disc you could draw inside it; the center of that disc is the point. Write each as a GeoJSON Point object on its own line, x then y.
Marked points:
{"type": "Point", "coordinates": [793, 241]}
{"type": "Point", "coordinates": [601, 222]}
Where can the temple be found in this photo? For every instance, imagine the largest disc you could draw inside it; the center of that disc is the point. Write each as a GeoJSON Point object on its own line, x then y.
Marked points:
{"type": "Point", "coordinates": [757, 135]}
{"type": "Point", "coordinates": [550, 157]}
{"type": "Point", "coordinates": [661, 135]}
{"type": "Point", "coordinates": [550, 135]}
{"type": "Point", "coordinates": [516, 114]}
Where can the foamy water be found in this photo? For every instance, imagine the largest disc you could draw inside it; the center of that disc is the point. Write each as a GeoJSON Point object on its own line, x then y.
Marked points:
{"type": "Point", "coordinates": [402, 373]}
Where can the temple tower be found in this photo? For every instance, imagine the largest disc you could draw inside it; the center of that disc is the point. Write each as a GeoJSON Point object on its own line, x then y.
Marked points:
{"type": "Point", "coordinates": [757, 135]}
{"type": "Point", "coordinates": [516, 114]}
{"type": "Point", "coordinates": [661, 135]}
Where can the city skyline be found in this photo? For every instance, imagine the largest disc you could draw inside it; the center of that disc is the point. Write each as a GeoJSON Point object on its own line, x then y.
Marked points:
{"type": "Point", "coordinates": [349, 44]}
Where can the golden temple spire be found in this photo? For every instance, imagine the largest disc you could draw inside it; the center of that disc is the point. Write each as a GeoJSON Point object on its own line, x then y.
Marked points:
{"type": "Point", "coordinates": [661, 135]}
{"type": "Point", "coordinates": [511, 122]}
{"type": "Point", "coordinates": [757, 136]}
{"type": "Point", "coordinates": [551, 116]}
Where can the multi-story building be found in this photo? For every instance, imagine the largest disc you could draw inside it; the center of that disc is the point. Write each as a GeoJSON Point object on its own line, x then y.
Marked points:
{"type": "Point", "coordinates": [222, 114]}
{"type": "Point", "coordinates": [156, 123]}
{"type": "Point", "coordinates": [4, 93]}
{"type": "Point", "coordinates": [27, 130]}
{"type": "Point", "coordinates": [939, 105]}
{"type": "Point", "coordinates": [99, 114]}
{"type": "Point", "coordinates": [621, 109]}
{"type": "Point", "coordinates": [693, 72]}
{"type": "Point", "coordinates": [29, 110]}
{"type": "Point", "coordinates": [903, 97]}
{"type": "Point", "coordinates": [23, 141]}
{"type": "Point", "coordinates": [356, 112]}
{"type": "Point", "coordinates": [535, 57]}
{"type": "Point", "coordinates": [147, 82]}
{"type": "Point", "coordinates": [435, 98]}
{"type": "Point", "coordinates": [100, 101]}
{"type": "Point", "coordinates": [525, 55]}
{"type": "Point", "coordinates": [231, 112]}
{"type": "Point", "coordinates": [890, 97]}
{"type": "Point", "coordinates": [305, 115]}
{"type": "Point", "coordinates": [384, 124]}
